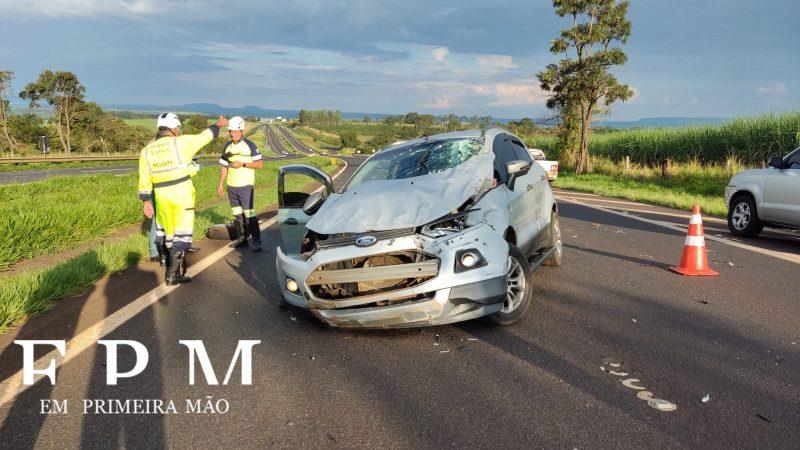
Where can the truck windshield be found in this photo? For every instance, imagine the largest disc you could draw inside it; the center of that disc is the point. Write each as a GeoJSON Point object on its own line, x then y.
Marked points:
{"type": "Point", "coordinates": [417, 159]}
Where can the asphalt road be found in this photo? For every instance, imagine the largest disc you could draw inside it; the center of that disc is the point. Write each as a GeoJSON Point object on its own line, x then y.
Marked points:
{"type": "Point", "coordinates": [551, 380]}
{"type": "Point", "coordinates": [27, 176]}
{"type": "Point", "coordinates": [296, 143]}
{"type": "Point", "coordinates": [275, 143]}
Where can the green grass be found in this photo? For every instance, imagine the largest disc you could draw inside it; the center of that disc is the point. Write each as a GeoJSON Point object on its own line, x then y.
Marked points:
{"type": "Point", "coordinates": [62, 165]}
{"type": "Point", "coordinates": [322, 138]}
{"type": "Point", "coordinates": [34, 292]}
{"type": "Point", "coordinates": [56, 214]}
{"type": "Point", "coordinates": [148, 123]}
{"type": "Point", "coordinates": [749, 140]}
{"type": "Point", "coordinates": [687, 185]}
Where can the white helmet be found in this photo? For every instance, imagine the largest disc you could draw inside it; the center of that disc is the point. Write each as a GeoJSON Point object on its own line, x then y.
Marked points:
{"type": "Point", "coordinates": [168, 120]}
{"type": "Point", "coordinates": [236, 124]}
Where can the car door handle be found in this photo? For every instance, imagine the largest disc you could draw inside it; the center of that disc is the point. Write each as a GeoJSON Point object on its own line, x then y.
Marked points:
{"type": "Point", "coordinates": [290, 221]}
{"type": "Point", "coordinates": [541, 178]}
{"type": "Point", "coordinates": [530, 186]}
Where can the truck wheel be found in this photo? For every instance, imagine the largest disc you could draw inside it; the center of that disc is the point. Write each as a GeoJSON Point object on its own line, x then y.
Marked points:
{"type": "Point", "coordinates": [743, 217]}
{"type": "Point", "coordinates": [519, 291]}
{"type": "Point", "coordinates": [555, 242]}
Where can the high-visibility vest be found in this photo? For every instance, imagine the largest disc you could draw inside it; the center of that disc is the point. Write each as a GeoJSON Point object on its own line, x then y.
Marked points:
{"type": "Point", "coordinates": [167, 160]}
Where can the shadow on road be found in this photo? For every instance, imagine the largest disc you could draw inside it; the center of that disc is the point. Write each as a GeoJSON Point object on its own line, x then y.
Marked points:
{"type": "Point", "coordinates": [128, 430]}
{"type": "Point", "coordinates": [24, 424]}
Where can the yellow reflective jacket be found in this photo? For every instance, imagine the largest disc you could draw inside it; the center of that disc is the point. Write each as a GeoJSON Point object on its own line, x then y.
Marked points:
{"type": "Point", "coordinates": [167, 160]}
{"type": "Point", "coordinates": [244, 151]}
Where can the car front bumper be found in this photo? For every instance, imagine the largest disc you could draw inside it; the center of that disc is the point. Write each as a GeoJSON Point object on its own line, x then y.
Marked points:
{"type": "Point", "coordinates": [449, 296]}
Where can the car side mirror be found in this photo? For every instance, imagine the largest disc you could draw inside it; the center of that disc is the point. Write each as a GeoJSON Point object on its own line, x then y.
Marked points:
{"type": "Point", "coordinates": [516, 169]}
{"type": "Point", "coordinates": [777, 162]}
{"type": "Point", "coordinates": [313, 202]}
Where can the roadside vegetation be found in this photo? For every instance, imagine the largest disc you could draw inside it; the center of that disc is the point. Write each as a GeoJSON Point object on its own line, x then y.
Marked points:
{"type": "Point", "coordinates": [62, 223]}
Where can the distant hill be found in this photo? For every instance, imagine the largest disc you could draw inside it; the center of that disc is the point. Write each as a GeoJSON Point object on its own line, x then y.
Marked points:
{"type": "Point", "coordinates": [256, 111]}
{"type": "Point", "coordinates": [663, 122]}
{"type": "Point", "coordinates": [214, 109]}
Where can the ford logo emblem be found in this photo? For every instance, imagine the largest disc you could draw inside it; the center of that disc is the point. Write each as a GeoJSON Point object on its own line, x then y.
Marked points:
{"type": "Point", "coordinates": [366, 241]}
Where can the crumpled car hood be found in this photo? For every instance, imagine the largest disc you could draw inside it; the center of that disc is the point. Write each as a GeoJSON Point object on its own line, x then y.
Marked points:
{"type": "Point", "coordinates": [411, 202]}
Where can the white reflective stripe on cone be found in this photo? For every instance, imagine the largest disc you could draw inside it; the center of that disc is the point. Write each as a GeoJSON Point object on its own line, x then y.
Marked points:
{"type": "Point", "coordinates": [695, 219]}
{"type": "Point", "coordinates": [695, 241]}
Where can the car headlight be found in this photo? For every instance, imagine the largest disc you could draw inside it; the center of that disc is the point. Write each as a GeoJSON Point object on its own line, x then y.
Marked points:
{"type": "Point", "coordinates": [451, 223]}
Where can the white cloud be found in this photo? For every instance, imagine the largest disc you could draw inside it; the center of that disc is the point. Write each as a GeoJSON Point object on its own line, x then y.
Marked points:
{"type": "Point", "coordinates": [519, 94]}
{"type": "Point", "coordinates": [496, 62]}
{"type": "Point", "coordinates": [449, 94]}
{"type": "Point", "coordinates": [443, 102]}
{"type": "Point", "coordinates": [81, 8]}
{"type": "Point", "coordinates": [773, 90]}
{"type": "Point", "coordinates": [440, 53]}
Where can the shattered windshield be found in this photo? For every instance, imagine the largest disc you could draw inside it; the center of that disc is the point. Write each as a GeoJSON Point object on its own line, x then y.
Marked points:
{"type": "Point", "coordinates": [417, 159]}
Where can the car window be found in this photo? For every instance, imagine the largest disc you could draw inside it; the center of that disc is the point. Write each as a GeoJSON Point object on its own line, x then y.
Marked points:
{"type": "Point", "coordinates": [417, 159]}
{"type": "Point", "coordinates": [793, 162]}
{"type": "Point", "coordinates": [521, 151]}
{"type": "Point", "coordinates": [503, 153]}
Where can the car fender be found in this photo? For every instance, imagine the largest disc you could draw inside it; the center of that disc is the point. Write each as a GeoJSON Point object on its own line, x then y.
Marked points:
{"type": "Point", "coordinates": [749, 183]}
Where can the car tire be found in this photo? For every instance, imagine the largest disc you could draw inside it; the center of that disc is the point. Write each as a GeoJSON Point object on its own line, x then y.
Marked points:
{"type": "Point", "coordinates": [557, 257]}
{"type": "Point", "coordinates": [743, 217]}
{"type": "Point", "coordinates": [517, 300]}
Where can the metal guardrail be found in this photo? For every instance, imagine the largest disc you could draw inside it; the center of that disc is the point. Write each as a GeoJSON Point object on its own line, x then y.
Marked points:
{"type": "Point", "coordinates": [86, 158]}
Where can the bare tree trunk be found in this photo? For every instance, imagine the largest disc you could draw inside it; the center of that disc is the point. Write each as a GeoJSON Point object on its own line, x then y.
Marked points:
{"type": "Point", "coordinates": [12, 143]}
{"type": "Point", "coordinates": [583, 156]}
{"type": "Point", "coordinates": [69, 130]}
{"type": "Point", "coordinates": [60, 133]}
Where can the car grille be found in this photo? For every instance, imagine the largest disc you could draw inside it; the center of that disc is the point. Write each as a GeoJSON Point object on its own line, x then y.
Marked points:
{"type": "Point", "coordinates": [374, 274]}
{"type": "Point", "coordinates": [339, 240]}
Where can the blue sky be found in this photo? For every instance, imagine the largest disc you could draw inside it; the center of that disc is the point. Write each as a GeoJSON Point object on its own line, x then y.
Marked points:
{"type": "Point", "coordinates": [713, 58]}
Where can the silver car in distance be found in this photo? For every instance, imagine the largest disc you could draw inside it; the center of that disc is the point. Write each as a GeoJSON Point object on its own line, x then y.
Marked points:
{"type": "Point", "coordinates": [435, 230]}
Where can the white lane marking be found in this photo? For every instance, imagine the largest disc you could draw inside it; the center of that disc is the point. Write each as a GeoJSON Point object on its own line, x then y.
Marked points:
{"type": "Point", "coordinates": [645, 211]}
{"type": "Point", "coordinates": [12, 386]}
{"type": "Point", "coordinates": [773, 253]}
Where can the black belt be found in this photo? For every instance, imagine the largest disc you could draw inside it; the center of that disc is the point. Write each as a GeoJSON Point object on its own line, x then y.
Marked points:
{"type": "Point", "coordinates": [172, 182]}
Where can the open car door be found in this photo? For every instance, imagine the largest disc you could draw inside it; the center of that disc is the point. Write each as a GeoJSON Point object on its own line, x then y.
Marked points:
{"type": "Point", "coordinates": [296, 183]}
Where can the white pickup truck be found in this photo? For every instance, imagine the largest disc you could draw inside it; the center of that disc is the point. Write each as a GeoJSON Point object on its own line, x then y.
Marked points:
{"type": "Point", "coordinates": [551, 167]}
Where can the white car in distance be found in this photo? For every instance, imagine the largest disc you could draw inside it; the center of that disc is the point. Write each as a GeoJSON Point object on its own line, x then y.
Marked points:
{"type": "Point", "coordinates": [770, 196]}
{"type": "Point", "coordinates": [551, 167]}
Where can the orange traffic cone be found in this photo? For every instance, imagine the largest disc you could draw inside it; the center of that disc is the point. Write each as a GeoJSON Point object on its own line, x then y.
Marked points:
{"type": "Point", "coordinates": [694, 260]}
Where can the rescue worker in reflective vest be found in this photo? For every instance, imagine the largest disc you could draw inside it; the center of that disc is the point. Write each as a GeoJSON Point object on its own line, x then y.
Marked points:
{"type": "Point", "coordinates": [239, 158]}
{"type": "Point", "coordinates": [165, 171]}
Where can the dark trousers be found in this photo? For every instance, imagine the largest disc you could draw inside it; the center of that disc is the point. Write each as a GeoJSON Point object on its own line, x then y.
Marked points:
{"type": "Point", "coordinates": [241, 199]}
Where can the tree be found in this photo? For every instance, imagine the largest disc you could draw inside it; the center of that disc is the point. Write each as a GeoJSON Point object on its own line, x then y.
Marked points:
{"type": "Point", "coordinates": [64, 93]}
{"type": "Point", "coordinates": [366, 119]}
{"type": "Point", "coordinates": [6, 77]}
{"type": "Point", "coordinates": [195, 123]}
{"type": "Point", "coordinates": [582, 78]}
{"type": "Point", "coordinates": [349, 139]}
{"type": "Point", "coordinates": [25, 129]}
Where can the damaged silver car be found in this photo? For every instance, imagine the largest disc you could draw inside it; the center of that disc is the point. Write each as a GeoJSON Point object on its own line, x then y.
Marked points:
{"type": "Point", "coordinates": [431, 231]}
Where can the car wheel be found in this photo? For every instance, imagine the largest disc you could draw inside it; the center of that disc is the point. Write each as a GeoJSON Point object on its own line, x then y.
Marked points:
{"type": "Point", "coordinates": [519, 289]}
{"type": "Point", "coordinates": [743, 217]}
{"type": "Point", "coordinates": [557, 257]}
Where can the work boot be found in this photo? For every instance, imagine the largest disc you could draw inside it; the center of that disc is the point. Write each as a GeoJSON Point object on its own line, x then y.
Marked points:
{"type": "Point", "coordinates": [177, 268]}
{"type": "Point", "coordinates": [241, 237]}
{"type": "Point", "coordinates": [255, 233]}
{"type": "Point", "coordinates": [163, 253]}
